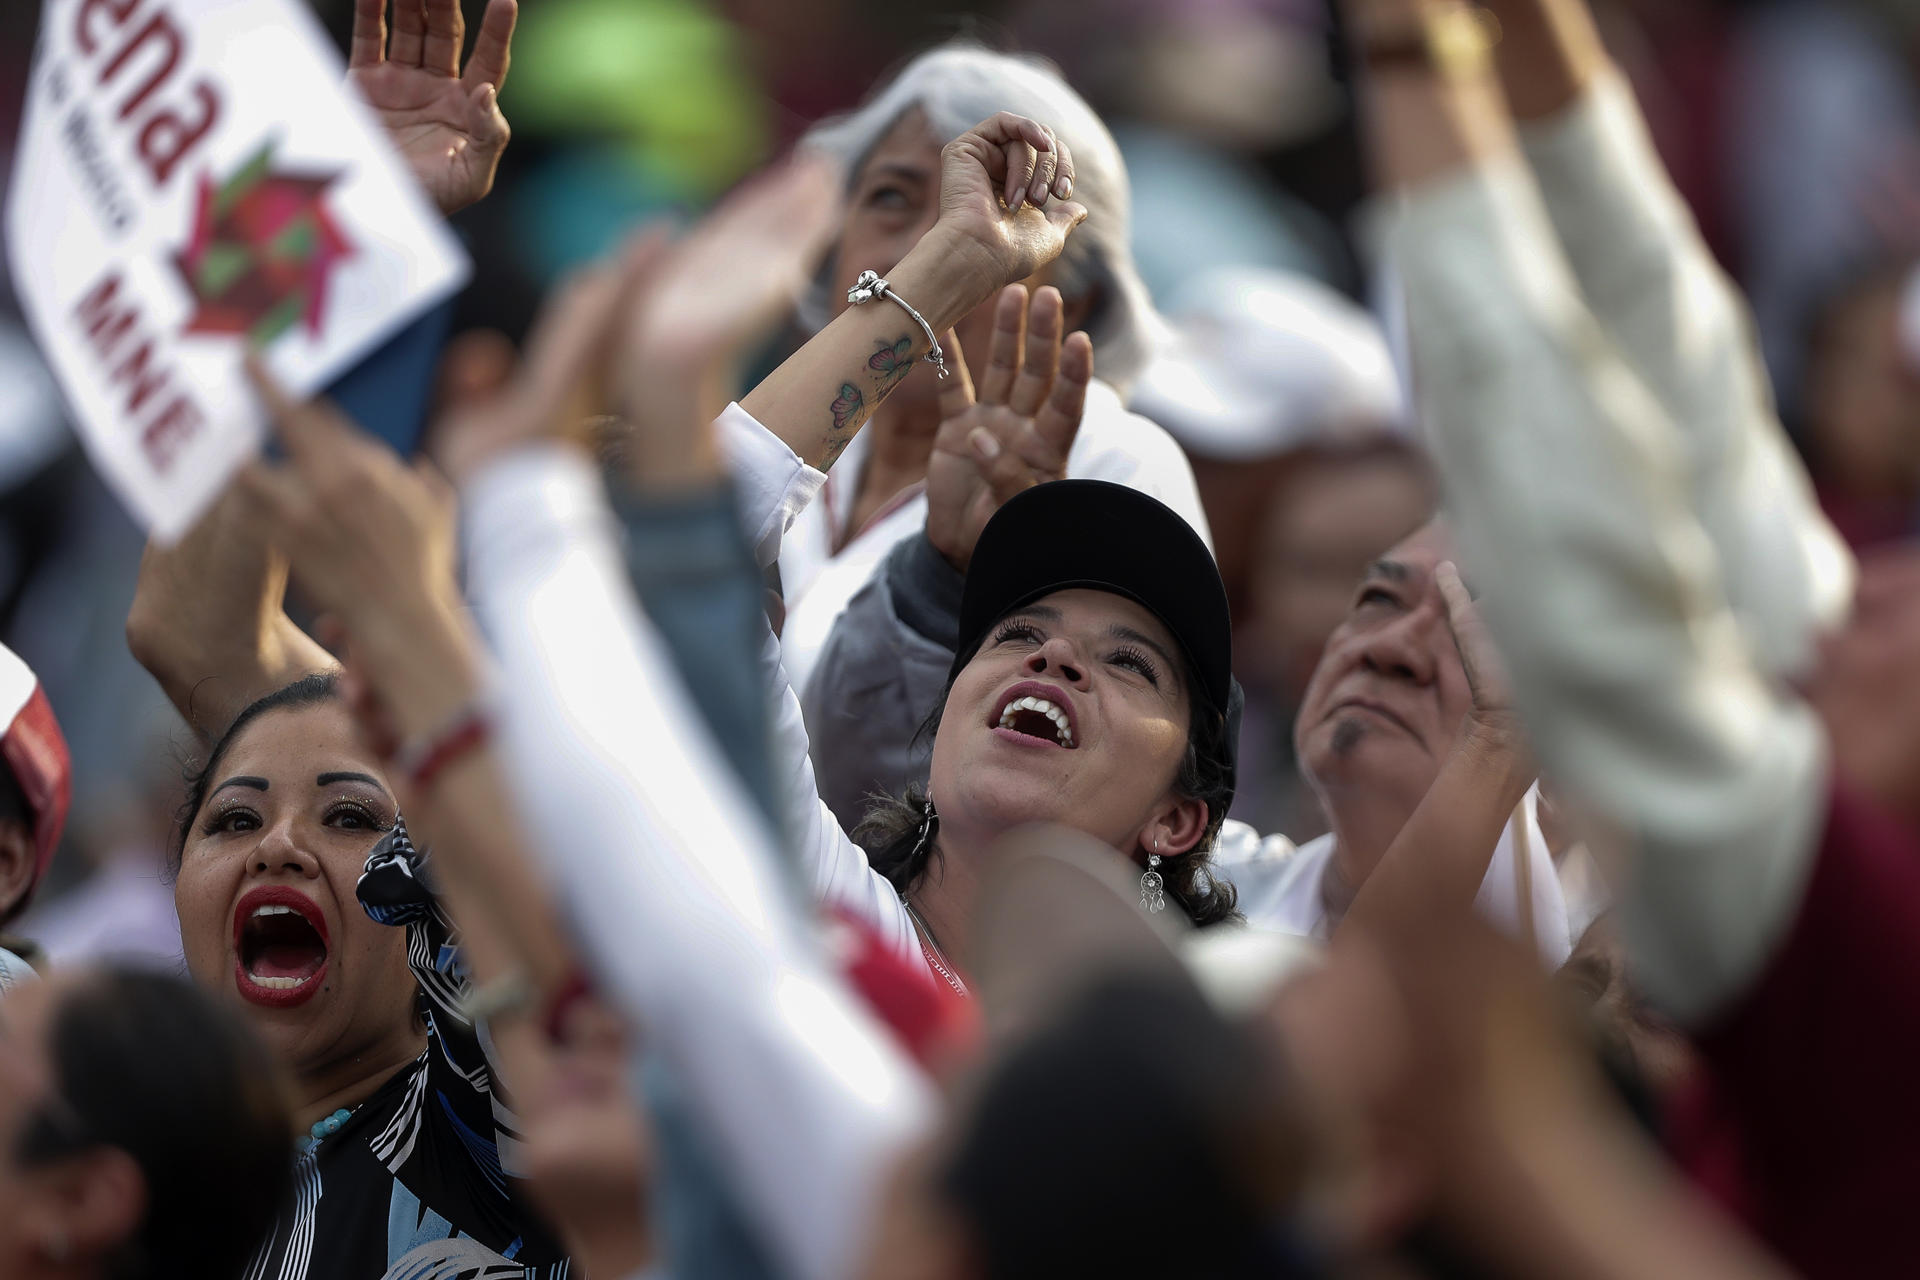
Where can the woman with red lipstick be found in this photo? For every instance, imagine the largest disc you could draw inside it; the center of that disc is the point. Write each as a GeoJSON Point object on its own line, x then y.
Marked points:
{"type": "Point", "coordinates": [293, 866]}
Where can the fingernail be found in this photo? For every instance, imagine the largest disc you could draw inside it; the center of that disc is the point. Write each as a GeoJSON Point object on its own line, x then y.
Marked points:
{"type": "Point", "coordinates": [984, 444]}
{"type": "Point", "coordinates": [1063, 187]}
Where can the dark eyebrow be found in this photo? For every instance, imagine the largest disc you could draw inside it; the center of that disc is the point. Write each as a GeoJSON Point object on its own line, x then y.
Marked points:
{"type": "Point", "coordinates": [328, 779]}
{"type": "Point", "coordinates": [1044, 612]}
{"type": "Point", "coordinates": [241, 780]}
{"type": "Point", "coordinates": [1120, 631]}
{"type": "Point", "coordinates": [1391, 570]}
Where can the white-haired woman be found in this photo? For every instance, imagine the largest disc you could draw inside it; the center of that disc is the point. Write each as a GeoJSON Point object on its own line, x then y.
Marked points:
{"type": "Point", "coordinates": [890, 150]}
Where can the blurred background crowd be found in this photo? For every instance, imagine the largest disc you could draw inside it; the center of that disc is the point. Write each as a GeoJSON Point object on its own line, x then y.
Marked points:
{"type": "Point", "coordinates": [1792, 127]}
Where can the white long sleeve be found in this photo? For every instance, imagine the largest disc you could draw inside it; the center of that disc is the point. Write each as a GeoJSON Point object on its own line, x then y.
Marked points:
{"type": "Point", "coordinates": [668, 875]}
{"type": "Point", "coordinates": [836, 869]}
{"type": "Point", "coordinates": [1567, 485]}
{"type": "Point", "coordinates": [773, 486]}
{"type": "Point", "coordinates": [1656, 291]}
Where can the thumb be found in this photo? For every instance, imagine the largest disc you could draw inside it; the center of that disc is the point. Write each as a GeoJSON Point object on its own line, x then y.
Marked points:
{"type": "Point", "coordinates": [1066, 214]}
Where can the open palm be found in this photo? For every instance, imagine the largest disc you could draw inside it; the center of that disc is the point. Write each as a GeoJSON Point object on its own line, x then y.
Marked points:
{"type": "Point", "coordinates": [446, 123]}
{"type": "Point", "coordinates": [1020, 427]}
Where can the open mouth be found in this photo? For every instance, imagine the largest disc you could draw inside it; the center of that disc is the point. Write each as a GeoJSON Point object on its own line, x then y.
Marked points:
{"type": "Point", "coordinates": [280, 947]}
{"type": "Point", "coordinates": [1029, 715]}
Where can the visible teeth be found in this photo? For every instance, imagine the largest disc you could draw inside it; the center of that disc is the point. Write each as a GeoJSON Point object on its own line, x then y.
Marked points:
{"type": "Point", "coordinates": [273, 911]}
{"type": "Point", "coordinates": [1062, 729]}
{"type": "Point", "coordinates": [279, 983]}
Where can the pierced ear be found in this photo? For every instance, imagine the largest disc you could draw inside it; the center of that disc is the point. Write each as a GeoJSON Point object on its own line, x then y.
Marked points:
{"type": "Point", "coordinates": [16, 864]}
{"type": "Point", "coordinates": [1179, 828]}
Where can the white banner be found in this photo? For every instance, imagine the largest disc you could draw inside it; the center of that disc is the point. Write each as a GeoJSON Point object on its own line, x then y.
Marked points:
{"type": "Point", "coordinates": [194, 177]}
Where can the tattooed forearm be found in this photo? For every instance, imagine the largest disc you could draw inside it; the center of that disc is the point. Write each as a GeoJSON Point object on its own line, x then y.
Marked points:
{"type": "Point", "coordinates": [889, 363]}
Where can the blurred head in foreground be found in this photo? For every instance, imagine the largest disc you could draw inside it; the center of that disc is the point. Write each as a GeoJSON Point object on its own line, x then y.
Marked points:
{"type": "Point", "coordinates": [143, 1131]}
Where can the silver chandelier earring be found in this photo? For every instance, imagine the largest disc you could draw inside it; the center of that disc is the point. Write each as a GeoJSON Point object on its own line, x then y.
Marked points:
{"type": "Point", "coordinates": [926, 826]}
{"type": "Point", "coordinates": [1153, 894]}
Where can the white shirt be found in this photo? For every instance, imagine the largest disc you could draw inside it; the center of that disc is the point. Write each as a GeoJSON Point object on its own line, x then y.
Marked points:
{"type": "Point", "coordinates": [1282, 888]}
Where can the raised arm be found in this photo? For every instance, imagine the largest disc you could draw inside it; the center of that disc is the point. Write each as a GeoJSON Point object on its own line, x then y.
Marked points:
{"type": "Point", "coordinates": [1567, 487]}
{"type": "Point", "coordinates": [1004, 213]}
{"type": "Point", "coordinates": [1678, 321]}
{"type": "Point", "coordinates": [209, 620]}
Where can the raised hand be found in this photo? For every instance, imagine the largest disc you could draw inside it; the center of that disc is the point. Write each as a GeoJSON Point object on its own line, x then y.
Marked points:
{"type": "Point", "coordinates": [561, 382]}
{"type": "Point", "coordinates": [1017, 431]}
{"type": "Point", "coordinates": [1006, 188]}
{"type": "Point", "coordinates": [1491, 718]}
{"type": "Point", "coordinates": [717, 292]}
{"type": "Point", "coordinates": [445, 122]}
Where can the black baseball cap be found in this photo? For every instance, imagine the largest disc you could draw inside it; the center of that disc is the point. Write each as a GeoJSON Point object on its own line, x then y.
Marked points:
{"type": "Point", "coordinates": [1106, 537]}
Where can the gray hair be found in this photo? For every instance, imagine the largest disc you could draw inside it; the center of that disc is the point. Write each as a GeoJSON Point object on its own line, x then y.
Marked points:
{"type": "Point", "coordinates": [959, 84]}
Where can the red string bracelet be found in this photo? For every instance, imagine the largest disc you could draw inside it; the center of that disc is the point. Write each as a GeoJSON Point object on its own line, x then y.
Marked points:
{"type": "Point", "coordinates": [425, 759]}
{"type": "Point", "coordinates": [553, 1018]}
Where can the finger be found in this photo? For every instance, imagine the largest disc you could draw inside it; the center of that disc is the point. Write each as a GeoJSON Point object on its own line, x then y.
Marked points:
{"type": "Point", "coordinates": [956, 389]}
{"type": "Point", "coordinates": [486, 123]}
{"type": "Point", "coordinates": [1003, 349]}
{"type": "Point", "coordinates": [368, 47]}
{"type": "Point", "coordinates": [1042, 185]}
{"type": "Point", "coordinates": [409, 33]}
{"type": "Point", "coordinates": [280, 496]}
{"type": "Point", "coordinates": [1005, 472]}
{"type": "Point", "coordinates": [1066, 215]}
{"type": "Point", "coordinates": [1045, 318]}
{"type": "Point", "coordinates": [493, 48]}
{"type": "Point", "coordinates": [446, 33]}
{"type": "Point", "coordinates": [1063, 171]}
{"type": "Point", "coordinates": [314, 432]}
{"type": "Point", "coordinates": [1462, 619]}
{"type": "Point", "coordinates": [433, 480]}
{"type": "Point", "coordinates": [1058, 422]}
{"type": "Point", "coordinates": [1021, 157]}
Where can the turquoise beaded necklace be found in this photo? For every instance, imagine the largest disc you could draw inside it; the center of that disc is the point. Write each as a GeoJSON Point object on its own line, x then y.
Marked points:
{"type": "Point", "coordinates": [322, 1129]}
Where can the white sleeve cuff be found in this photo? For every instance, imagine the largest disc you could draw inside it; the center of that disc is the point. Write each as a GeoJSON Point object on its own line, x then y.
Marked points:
{"type": "Point", "coordinates": [773, 484]}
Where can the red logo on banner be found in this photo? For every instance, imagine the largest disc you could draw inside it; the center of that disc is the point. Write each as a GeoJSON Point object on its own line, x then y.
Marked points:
{"type": "Point", "coordinates": [260, 252]}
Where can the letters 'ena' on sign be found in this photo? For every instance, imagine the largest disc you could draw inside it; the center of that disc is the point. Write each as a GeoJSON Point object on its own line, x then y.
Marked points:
{"type": "Point", "coordinates": [194, 178]}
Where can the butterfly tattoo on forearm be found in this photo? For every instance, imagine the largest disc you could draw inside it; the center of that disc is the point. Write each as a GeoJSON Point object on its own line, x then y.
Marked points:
{"type": "Point", "coordinates": [891, 362]}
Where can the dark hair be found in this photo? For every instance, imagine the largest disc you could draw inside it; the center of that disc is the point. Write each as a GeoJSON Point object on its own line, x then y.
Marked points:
{"type": "Point", "coordinates": [308, 691]}
{"type": "Point", "coordinates": [1133, 1133]}
{"type": "Point", "coordinates": [890, 831]}
{"type": "Point", "coordinates": [148, 1064]}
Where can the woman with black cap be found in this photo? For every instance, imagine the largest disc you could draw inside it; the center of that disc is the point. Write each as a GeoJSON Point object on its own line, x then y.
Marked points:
{"type": "Point", "coordinates": [1091, 684]}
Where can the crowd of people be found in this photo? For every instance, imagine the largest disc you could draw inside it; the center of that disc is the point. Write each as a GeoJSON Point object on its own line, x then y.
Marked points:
{"type": "Point", "coordinates": [1026, 785]}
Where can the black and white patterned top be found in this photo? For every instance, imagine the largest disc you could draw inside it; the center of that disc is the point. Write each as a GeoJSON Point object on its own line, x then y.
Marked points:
{"type": "Point", "coordinates": [417, 1185]}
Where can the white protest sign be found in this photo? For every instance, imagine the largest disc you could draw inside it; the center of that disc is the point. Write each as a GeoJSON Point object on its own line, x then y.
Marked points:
{"type": "Point", "coordinates": [194, 176]}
